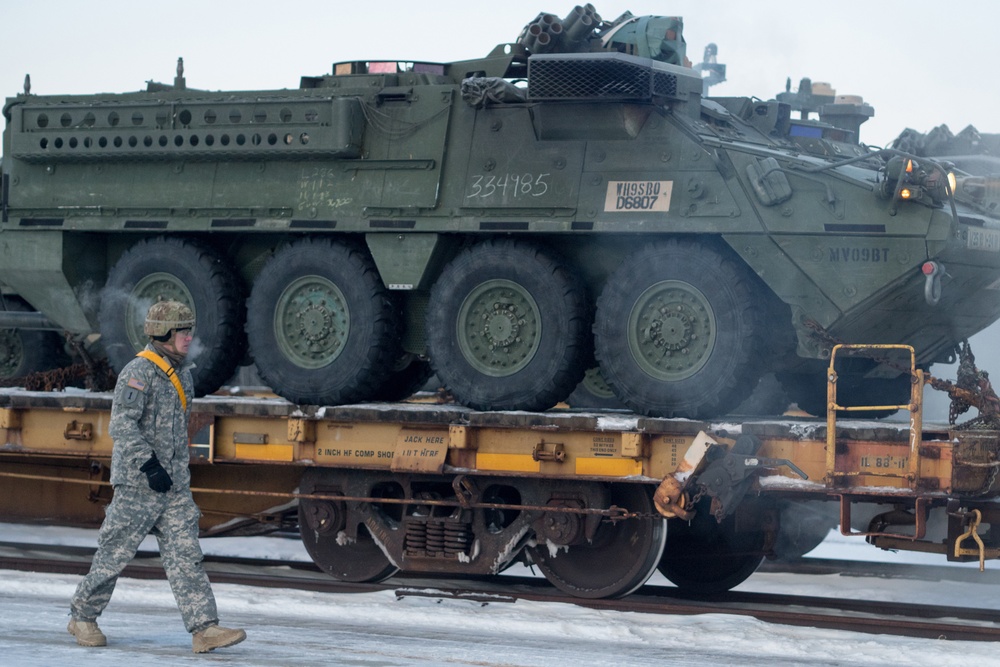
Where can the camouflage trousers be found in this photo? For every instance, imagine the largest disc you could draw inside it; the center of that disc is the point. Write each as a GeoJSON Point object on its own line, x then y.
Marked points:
{"type": "Point", "coordinates": [172, 517]}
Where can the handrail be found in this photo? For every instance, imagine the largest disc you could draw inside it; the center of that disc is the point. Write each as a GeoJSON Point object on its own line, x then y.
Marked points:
{"type": "Point", "coordinates": [914, 407]}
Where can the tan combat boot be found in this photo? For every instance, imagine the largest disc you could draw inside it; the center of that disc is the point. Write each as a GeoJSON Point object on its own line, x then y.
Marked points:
{"type": "Point", "coordinates": [214, 637]}
{"type": "Point", "coordinates": [87, 633]}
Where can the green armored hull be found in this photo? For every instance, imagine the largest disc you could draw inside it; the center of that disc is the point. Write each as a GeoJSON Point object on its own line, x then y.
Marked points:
{"type": "Point", "coordinates": [569, 202]}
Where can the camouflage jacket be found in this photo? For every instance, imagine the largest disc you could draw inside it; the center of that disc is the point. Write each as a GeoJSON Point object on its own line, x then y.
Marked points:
{"type": "Point", "coordinates": [146, 417]}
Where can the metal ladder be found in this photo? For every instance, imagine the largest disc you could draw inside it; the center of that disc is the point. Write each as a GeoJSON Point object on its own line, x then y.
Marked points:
{"type": "Point", "coordinates": [912, 474]}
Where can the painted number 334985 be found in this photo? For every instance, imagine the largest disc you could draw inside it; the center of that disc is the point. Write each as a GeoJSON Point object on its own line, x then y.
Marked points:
{"type": "Point", "coordinates": [508, 185]}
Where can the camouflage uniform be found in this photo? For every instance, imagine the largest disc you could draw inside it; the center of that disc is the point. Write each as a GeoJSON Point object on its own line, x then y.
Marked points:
{"type": "Point", "coordinates": [147, 419]}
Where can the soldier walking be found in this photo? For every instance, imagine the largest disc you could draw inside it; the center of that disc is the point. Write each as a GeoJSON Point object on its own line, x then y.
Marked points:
{"type": "Point", "coordinates": [152, 486]}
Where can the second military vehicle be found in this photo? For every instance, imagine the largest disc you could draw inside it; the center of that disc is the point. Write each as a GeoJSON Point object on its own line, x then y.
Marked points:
{"type": "Point", "coordinates": [569, 201]}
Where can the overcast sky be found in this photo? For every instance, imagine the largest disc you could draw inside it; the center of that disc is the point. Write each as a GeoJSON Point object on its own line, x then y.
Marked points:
{"type": "Point", "coordinates": [919, 63]}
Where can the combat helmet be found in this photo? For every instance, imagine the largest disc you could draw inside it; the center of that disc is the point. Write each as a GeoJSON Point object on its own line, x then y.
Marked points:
{"type": "Point", "coordinates": [165, 316]}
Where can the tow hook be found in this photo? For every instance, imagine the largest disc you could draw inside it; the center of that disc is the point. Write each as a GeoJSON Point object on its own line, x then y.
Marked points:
{"type": "Point", "coordinates": [972, 519]}
{"type": "Point", "coordinates": [932, 281]}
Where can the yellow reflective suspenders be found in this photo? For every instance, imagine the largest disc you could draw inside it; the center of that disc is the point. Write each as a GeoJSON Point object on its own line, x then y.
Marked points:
{"type": "Point", "coordinates": [169, 370]}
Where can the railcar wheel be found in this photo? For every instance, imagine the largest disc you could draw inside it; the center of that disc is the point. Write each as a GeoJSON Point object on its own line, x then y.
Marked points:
{"type": "Point", "coordinates": [24, 351]}
{"type": "Point", "coordinates": [680, 331]}
{"type": "Point", "coordinates": [359, 560]}
{"type": "Point", "coordinates": [507, 327]}
{"type": "Point", "coordinates": [703, 556]}
{"type": "Point", "coordinates": [186, 271]}
{"type": "Point", "coordinates": [322, 329]}
{"type": "Point", "coordinates": [619, 559]}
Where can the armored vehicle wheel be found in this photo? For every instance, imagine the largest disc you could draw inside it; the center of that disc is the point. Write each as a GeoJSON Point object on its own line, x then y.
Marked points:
{"type": "Point", "coordinates": [767, 399]}
{"type": "Point", "coordinates": [186, 271]}
{"type": "Point", "coordinates": [704, 556]}
{"type": "Point", "coordinates": [680, 331]}
{"type": "Point", "coordinates": [803, 526]}
{"type": "Point", "coordinates": [321, 327]}
{"type": "Point", "coordinates": [24, 351]}
{"type": "Point", "coordinates": [593, 393]}
{"type": "Point", "coordinates": [621, 557]}
{"type": "Point", "coordinates": [407, 377]}
{"type": "Point", "coordinates": [808, 391]}
{"type": "Point", "coordinates": [881, 391]}
{"type": "Point", "coordinates": [507, 327]}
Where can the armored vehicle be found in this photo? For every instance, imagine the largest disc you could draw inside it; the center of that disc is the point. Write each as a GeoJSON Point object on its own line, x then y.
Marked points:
{"type": "Point", "coordinates": [570, 201]}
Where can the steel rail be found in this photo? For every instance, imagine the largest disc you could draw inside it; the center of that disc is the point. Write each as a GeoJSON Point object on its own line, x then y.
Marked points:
{"type": "Point", "coordinates": [865, 616]}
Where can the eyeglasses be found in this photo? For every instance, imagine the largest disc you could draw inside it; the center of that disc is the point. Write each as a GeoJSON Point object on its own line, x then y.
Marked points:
{"type": "Point", "coordinates": [185, 332]}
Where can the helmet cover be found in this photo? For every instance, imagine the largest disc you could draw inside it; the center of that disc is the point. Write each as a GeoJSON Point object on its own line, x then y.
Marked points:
{"type": "Point", "coordinates": [165, 316]}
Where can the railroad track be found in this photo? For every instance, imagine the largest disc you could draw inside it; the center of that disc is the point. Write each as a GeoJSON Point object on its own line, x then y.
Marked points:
{"type": "Point", "coordinates": [868, 616]}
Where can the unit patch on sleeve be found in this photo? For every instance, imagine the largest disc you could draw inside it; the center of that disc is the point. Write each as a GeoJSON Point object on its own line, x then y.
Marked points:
{"type": "Point", "coordinates": [134, 390]}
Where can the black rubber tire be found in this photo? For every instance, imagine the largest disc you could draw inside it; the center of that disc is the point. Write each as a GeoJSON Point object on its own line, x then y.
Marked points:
{"type": "Point", "coordinates": [768, 398]}
{"type": "Point", "coordinates": [806, 390]}
{"type": "Point", "coordinates": [214, 292]}
{"type": "Point", "coordinates": [26, 351]}
{"type": "Point", "coordinates": [551, 340]}
{"type": "Point", "coordinates": [347, 362]}
{"type": "Point", "coordinates": [809, 392]}
{"type": "Point", "coordinates": [703, 556]}
{"type": "Point", "coordinates": [593, 393]}
{"type": "Point", "coordinates": [702, 291]}
{"type": "Point", "coordinates": [803, 526]}
{"type": "Point", "coordinates": [407, 377]}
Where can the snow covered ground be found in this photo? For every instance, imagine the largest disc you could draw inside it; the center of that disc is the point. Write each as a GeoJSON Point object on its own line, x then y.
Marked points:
{"type": "Point", "coordinates": [287, 627]}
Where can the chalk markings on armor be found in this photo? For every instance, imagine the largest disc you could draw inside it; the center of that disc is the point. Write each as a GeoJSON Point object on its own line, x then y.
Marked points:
{"type": "Point", "coordinates": [508, 185]}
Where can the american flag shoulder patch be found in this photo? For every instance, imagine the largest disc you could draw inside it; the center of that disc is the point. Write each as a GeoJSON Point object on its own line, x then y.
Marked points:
{"type": "Point", "coordinates": [136, 383]}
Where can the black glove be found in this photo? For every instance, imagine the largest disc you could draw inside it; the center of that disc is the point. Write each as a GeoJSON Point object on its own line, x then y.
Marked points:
{"type": "Point", "coordinates": [158, 478]}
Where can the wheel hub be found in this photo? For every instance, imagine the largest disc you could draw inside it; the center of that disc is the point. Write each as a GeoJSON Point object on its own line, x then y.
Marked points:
{"type": "Point", "coordinates": [315, 323]}
{"type": "Point", "coordinates": [311, 322]}
{"type": "Point", "coordinates": [671, 330]}
{"type": "Point", "coordinates": [499, 328]}
{"type": "Point", "coordinates": [560, 528]}
{"type": "Point", "coordinates": [502, 326]}
{"type": "Point", "coordinates": [324, 517]}
{"type": "Point", "coordinates": [595, 383]}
